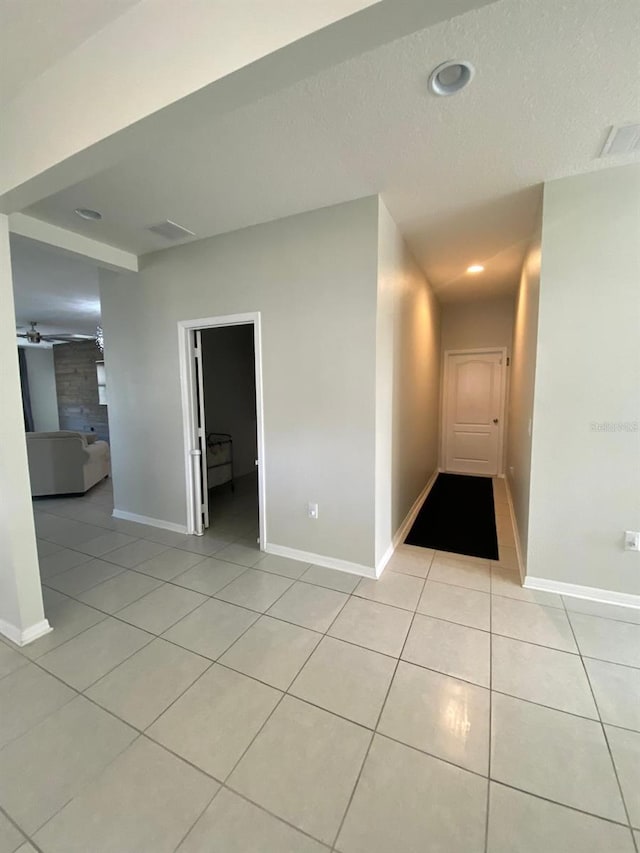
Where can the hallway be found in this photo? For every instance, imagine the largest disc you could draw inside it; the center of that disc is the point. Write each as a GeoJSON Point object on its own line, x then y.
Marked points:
{"type": "Point", "coordinates": [198, 695]}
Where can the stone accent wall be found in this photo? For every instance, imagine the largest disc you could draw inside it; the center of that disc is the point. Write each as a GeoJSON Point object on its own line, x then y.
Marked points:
{"type": "Point", "coordinates": [77, 388]}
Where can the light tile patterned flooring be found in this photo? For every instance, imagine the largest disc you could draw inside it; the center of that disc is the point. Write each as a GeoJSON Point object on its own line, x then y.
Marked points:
{"type": "Point", "coordinates": [197, 695]}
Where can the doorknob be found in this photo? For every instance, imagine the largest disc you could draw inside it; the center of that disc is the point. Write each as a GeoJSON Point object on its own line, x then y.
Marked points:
{"type": "Point", "coordinates": [495, 420]}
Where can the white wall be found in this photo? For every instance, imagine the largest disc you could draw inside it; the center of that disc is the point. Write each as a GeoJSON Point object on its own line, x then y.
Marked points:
{"type": "Point", "coordinates": [21, 610]}
{"type": "Point", "coordinates": [478, 323]}
{"type": "Point", "coordinates": [230, 391]}
{"type": "Point", "coordinates": [313, 277]}
{"type": "Point", "coordinates": [42, 388]}
{"type": "Point", "coordinates": [407, 382]}
{"type": "Point", "coordinates": [585, 471]}
{"type": "Point", "coordinates": [522, 377]}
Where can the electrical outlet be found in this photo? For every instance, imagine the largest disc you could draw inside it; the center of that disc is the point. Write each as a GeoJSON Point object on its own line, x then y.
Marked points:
{"type": "Point", "coordinates": [632, 540]}
{"type": "Point", "coordinates": [312, 510]}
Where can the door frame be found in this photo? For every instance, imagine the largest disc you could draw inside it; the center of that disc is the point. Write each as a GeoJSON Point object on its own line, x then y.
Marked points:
{"type": "Point", "coordinates": [189, 404]}
{"type": "Point", "coordinates": [445, 403]}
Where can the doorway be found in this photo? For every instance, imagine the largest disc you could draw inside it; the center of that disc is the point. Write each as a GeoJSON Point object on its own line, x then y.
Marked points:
{"type": "Point", "coordinates": [473, 411]}
{"type": "Point", "coordinates": [221, 379]}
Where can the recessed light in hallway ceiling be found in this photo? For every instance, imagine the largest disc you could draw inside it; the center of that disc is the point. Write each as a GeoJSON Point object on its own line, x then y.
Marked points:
{"type": "Point", "coordinates": [451, 77]}
{"type": "Point", "coordinates": [475, 268]}
{"type": "Point", "coordinates": [87, 213]}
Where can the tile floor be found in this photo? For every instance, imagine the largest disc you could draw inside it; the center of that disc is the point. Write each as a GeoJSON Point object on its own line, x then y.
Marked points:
{"type": "Point", "coordinates": [201, 697]}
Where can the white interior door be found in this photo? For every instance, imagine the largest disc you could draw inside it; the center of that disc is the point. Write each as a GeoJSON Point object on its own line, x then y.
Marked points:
{"type": "Point", "coordinates": [472, 428]}
{"type": "Point", "coordinates": [202, 492]}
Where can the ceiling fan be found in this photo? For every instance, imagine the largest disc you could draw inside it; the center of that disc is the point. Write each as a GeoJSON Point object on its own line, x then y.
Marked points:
{"type": "Point", "coordinates": [35, 337]}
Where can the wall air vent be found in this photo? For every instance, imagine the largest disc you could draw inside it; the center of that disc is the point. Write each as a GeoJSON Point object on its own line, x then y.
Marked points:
{"type": "Point", "coordinates": [171, 230]}
{"type": "Point", "coordinates": [624, 139]}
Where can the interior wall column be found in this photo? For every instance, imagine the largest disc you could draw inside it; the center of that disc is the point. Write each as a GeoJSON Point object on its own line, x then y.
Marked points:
{"type": "Point", "coordinates": [21, 610]}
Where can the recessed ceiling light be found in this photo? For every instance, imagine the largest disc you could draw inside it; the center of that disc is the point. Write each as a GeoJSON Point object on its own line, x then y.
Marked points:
{"type": "Point", "coordinates": [87, 213]}
{"type": "Point", "coordinates": [475, 268]}
{"type": "Point", "coordinates": [450, 77]}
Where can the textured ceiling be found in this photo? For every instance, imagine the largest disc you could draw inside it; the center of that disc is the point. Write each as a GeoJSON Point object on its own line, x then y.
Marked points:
{"type": "Point", "coordinates": [462, 175]}
{"type": "Point", "coordinates": [34, 34]}
{"type": "Point", "coordinates": [58, 291]}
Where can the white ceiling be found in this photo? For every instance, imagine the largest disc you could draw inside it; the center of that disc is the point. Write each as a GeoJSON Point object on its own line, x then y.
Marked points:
{"type": "Point", "coordinates": [35, 34]}
{"type": "Point", "coordinates": [59, 291]}
{"type": "Point", "coordinates": [462, 175]}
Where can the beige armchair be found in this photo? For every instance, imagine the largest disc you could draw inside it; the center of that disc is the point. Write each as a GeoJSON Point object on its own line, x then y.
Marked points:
{"type": "Point", "coordinates": [65, 463]}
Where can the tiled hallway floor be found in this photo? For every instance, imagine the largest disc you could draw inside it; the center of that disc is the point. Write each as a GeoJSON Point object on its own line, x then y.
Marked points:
{"type": "Point", "coordinates": [197, 695]}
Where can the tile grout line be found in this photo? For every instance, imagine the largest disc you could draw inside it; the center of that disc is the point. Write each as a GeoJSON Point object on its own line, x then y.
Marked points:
{"type": "Point", "coordinates": [241, 575]}
{"type": "Point", "coordinates": [133, 601]}
{"type": "Point", "coordinates": [109, 671]}
{"type": "Point", "coordinates": [145, 730]}
{"type": "Point", "coordinates": [92, 779]}
{"type": "Point", "coordinates": [382, 707]}
{"type": "Point", "coordinates": [139, 733]}
{"type": "Point", "coordinates": [25, 837]}
{"type": "Point", "coordinates": [260, 615]}
{"type": "Point", "coordinates": [286, 693]}
{"type": "Point", "coordinates": [604, 734]}
{"type": "Point", "coordinates": [488, 807]}
{"type": "Point", "coordinates": [355, 785]}
{"type": "Point", "coordinates": [561, 805]}
{"type": "Point", "coordinates": [224, 784]}
{"type": "Point", "coordinates": [168, 628]}
{"type": "Point", "coordinates": [47, 715]}
{"type": "Point", "coordinates": [193, 825]}
{"type": "Point", "coordinates": [273, 815]}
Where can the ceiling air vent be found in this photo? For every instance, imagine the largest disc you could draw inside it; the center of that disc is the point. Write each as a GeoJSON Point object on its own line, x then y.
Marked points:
{"type": "Point", "coordinates": [624, 139]}
{"type": "Point", "coordinates": [171, 230]}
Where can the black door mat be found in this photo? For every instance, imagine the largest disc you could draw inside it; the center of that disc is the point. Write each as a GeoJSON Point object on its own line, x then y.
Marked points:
{"type": "Point", "coordinates": [458, 516]}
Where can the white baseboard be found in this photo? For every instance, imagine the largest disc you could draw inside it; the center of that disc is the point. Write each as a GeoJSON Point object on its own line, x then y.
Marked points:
{"type": "Point", "coordinates": [514, 526]}
{"type": "Point", "coordinates": [26, 635]}
{"type": "Point", "coordinates": [382, 562]}
{"type": "Point", "coordinates": [321, 560]}
{"type": "Point", "coordinates": [592, 593]}
{"type": "Point", "coordinates": [401, 533]}
{"type": "Point", "coordinates": [152, 522]}
{"type": "Point", "coordinates": [358, 568]}
{"type": "Point", "coordinates": [405, 527]}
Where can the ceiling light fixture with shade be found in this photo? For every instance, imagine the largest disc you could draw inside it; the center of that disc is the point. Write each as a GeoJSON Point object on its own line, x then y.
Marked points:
{"type": "Point", "coordinates": [451, 77]}
{"type": "Point", "coordinates": [474, 269]}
